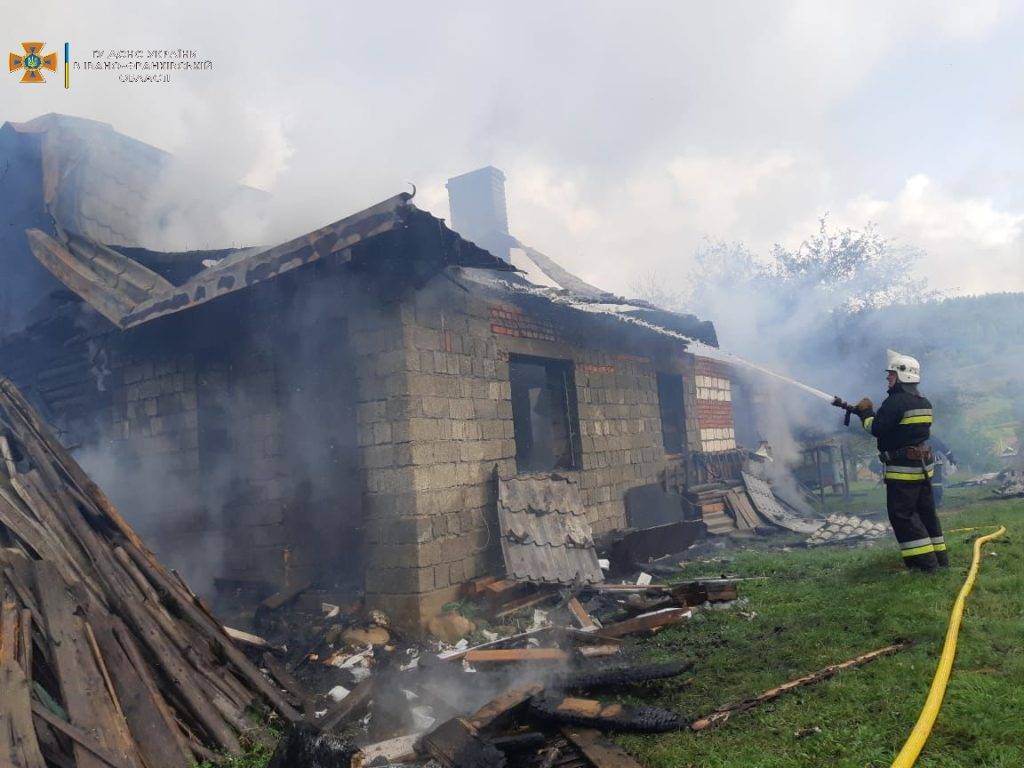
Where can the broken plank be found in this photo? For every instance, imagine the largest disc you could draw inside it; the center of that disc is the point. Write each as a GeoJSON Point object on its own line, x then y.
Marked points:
{"type": "Point", "coordinates": [456, 744]}
{"type": "Point", "coordinates": [400, 749]}
{"type": "Point", "coordinates": [285, 596]}
{"type": "Point", "coordinates": [741, 503]}
{"type": "Point", "coordinates": [593, 651]}
{"type": "Point", "coordinates": [721, 593]}
{"type": "Point", "coordinates": [503, 704]}
{"type": "Point", "coordinates": [644, 623]}
{"type": "Point", "coordinates": [513, 655]}
{"type": "Point", "coordinates": [10, 629]}
{"type": "Point", "coordinates": [478, 586]}
{"type": "Point", "coordinates": [25, 642]}
{"type": "Point", "coordinates": [579, 614]}
{"type": "Point", "coordinates": [352, 705]}
{"type": "Point", "coordinates": [501, 586]}
{"type": "Point", "coordinates": [18, 742]}
{"type": "Point", "coordinates": [83, 689]}
{"type": "Point", "coordinates": [454, 655]}
{"type": "Point", "coordinates": [300, 696]}
{"type": "Point", "coordinates": [214, 633]}
{"type": "Point", "coordinates": [599, 750]}
{"type": "Point", "coordinates": [626, 589]}
{"type": "Point", "coordinates": [151, 725]}
{"type": "Point", "coordinates": [252, 641]}
{"type": "Point", "coordinates": [102, 755]}
{"type": "Point", "coordinates": [605, 716]}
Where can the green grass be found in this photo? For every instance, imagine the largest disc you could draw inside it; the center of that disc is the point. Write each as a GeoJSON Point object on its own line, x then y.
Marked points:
{"type": "Point", "coordinates": [827, 605]}
{"type": "Point", "coordinates": [867, 497]}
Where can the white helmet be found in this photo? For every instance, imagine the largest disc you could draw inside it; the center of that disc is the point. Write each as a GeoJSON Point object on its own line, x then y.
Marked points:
{"type": "Point", "coordinates": [906, 368]}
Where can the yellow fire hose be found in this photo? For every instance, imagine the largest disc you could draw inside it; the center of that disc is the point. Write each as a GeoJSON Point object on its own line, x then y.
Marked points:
{"type": "Point", "coordinates": [923, 728]}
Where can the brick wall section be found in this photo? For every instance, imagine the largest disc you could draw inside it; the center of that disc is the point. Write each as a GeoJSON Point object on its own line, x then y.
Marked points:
{"type": "Point", "coordinates": [713, 413]}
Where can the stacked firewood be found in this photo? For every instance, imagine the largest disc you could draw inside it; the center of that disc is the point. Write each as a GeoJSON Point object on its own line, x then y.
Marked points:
{"type": "Point", "coordinates": [106, 657]}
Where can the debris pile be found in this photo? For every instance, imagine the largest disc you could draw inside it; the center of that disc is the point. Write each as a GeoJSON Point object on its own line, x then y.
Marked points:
{"type": "Point", "coordinates": [106, 657]}
{"type": "Point", "coordinates": [1011, 484]}
{"type": "Point", "coordinates": [842, 529]}
{"type": "Point", "coordinates": [540, 683]}
{"type": "Point", "coordinates": [747, 507]}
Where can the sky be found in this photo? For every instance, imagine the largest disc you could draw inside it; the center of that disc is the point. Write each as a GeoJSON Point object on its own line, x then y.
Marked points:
{"type": "Point", "coordinates": [628, 132]}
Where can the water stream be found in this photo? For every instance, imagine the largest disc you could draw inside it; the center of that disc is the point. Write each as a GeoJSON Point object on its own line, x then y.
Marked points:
{"type": "Point", "coordinates": [705, 350]}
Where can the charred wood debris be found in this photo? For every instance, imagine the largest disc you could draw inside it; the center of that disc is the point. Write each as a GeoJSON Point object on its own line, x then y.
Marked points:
{"type": "Point", "coordinates": [108, 659]}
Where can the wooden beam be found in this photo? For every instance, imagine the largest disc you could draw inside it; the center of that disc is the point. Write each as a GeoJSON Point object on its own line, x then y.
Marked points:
{"type": "Point", "coordinates": [723, 713]}
{"type": "Point", "coordinates": [79, 737]}
{"type": "Point", "coordinates": [357, 700]}
{"type": "Point", "coordinates": [506, 702]}
{"type": "Point", "coordinates": [579, 614]}
{"type": "Point", "coordinates": [599, 750]}
{"type": "Point", "coordinates": [455, 744]}
{"type": "Point", "coordinates": [18, 741]}
{"type": "Point", "coordinates": [644, 623]}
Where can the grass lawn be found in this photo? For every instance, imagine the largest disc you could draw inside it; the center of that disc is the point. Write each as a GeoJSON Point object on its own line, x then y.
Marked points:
{"type": "Point", "coordinates": [867, 498]}
{"type": "Point", "coordinates": [827, 605]}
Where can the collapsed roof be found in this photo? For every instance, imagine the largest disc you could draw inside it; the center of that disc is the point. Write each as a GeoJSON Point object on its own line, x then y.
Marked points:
{"type": "Point", "coordinates": [130, 294]}
{"type": "Point", "coordinates": [96, 187]}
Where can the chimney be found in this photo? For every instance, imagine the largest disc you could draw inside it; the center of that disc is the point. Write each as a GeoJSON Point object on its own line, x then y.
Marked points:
{"type": "Point", "coordinates": [477, 201]}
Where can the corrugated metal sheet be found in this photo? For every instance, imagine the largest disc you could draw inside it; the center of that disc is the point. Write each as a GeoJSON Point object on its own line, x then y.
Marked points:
{"type": "Point", "coordinates": [770, 508]}
{"type": "Point", "coordinates": [545, 534]}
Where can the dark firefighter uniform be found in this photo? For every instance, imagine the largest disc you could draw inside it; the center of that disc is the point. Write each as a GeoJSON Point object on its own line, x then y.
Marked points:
{"type": "Point", "coordinates": [902, 426]}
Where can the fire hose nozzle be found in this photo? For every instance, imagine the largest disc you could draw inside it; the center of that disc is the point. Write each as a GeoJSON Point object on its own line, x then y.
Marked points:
{"type": "Point", "coordinates": [838, 402]}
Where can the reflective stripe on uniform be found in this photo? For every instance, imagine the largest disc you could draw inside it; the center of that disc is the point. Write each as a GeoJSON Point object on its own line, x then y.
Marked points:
{"type": "Point", "coordinates": [917, 416]}
{"type": "Point", "coordinates": [868, 422]}
{"type": "Point", "coordinates": [922, 550]}
{"type": "Point", "coordinates": [894, 472]}
{"type": "Point", "coordinates": [939, 542]}
{"type": "Point", "coordinates": [939, 547]}
{"type": "Point", "coordinates": [915, 543]}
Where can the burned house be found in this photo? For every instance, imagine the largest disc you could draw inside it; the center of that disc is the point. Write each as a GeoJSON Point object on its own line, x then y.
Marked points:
{"type": "Point", "coordinates": [336, 408]}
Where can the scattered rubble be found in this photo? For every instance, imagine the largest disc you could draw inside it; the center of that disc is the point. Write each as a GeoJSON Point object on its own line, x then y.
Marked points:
{"type": "Point", "coordinates": [1011, 484]}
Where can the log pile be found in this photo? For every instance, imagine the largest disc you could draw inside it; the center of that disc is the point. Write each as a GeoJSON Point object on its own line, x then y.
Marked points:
{"type": "Point", "coordinates": [107, 659]}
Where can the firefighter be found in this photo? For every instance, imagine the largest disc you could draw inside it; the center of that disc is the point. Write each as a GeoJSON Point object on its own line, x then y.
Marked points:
{"type": "Point", "coordinates": [902, 426]}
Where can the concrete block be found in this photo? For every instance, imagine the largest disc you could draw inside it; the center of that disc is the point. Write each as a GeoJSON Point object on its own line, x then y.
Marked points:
{"type": "Point", "coordinates": [441, 576]}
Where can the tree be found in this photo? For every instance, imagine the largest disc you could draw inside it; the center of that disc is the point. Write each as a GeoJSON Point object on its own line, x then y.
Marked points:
{"type": "Point", "coordinates": [857, 269]}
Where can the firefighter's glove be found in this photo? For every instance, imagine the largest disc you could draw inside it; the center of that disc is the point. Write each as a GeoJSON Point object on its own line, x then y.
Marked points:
{"type": "Point", "coordinates": [864, 408]}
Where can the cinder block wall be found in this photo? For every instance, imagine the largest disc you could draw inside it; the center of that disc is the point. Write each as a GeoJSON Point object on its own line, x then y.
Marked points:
{"type": "Point", "coordinates": [146, 456]}
{"type": "Point", "coordinates": [435, 420]}
{"type": "Point", "coordinates": [228, 442]}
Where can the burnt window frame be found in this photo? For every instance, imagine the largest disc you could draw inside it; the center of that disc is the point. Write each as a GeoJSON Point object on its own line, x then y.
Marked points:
{"type": "Point", "coordinates": [568, 405]}
{"type": "Point", "coordinates": [677, 380]}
